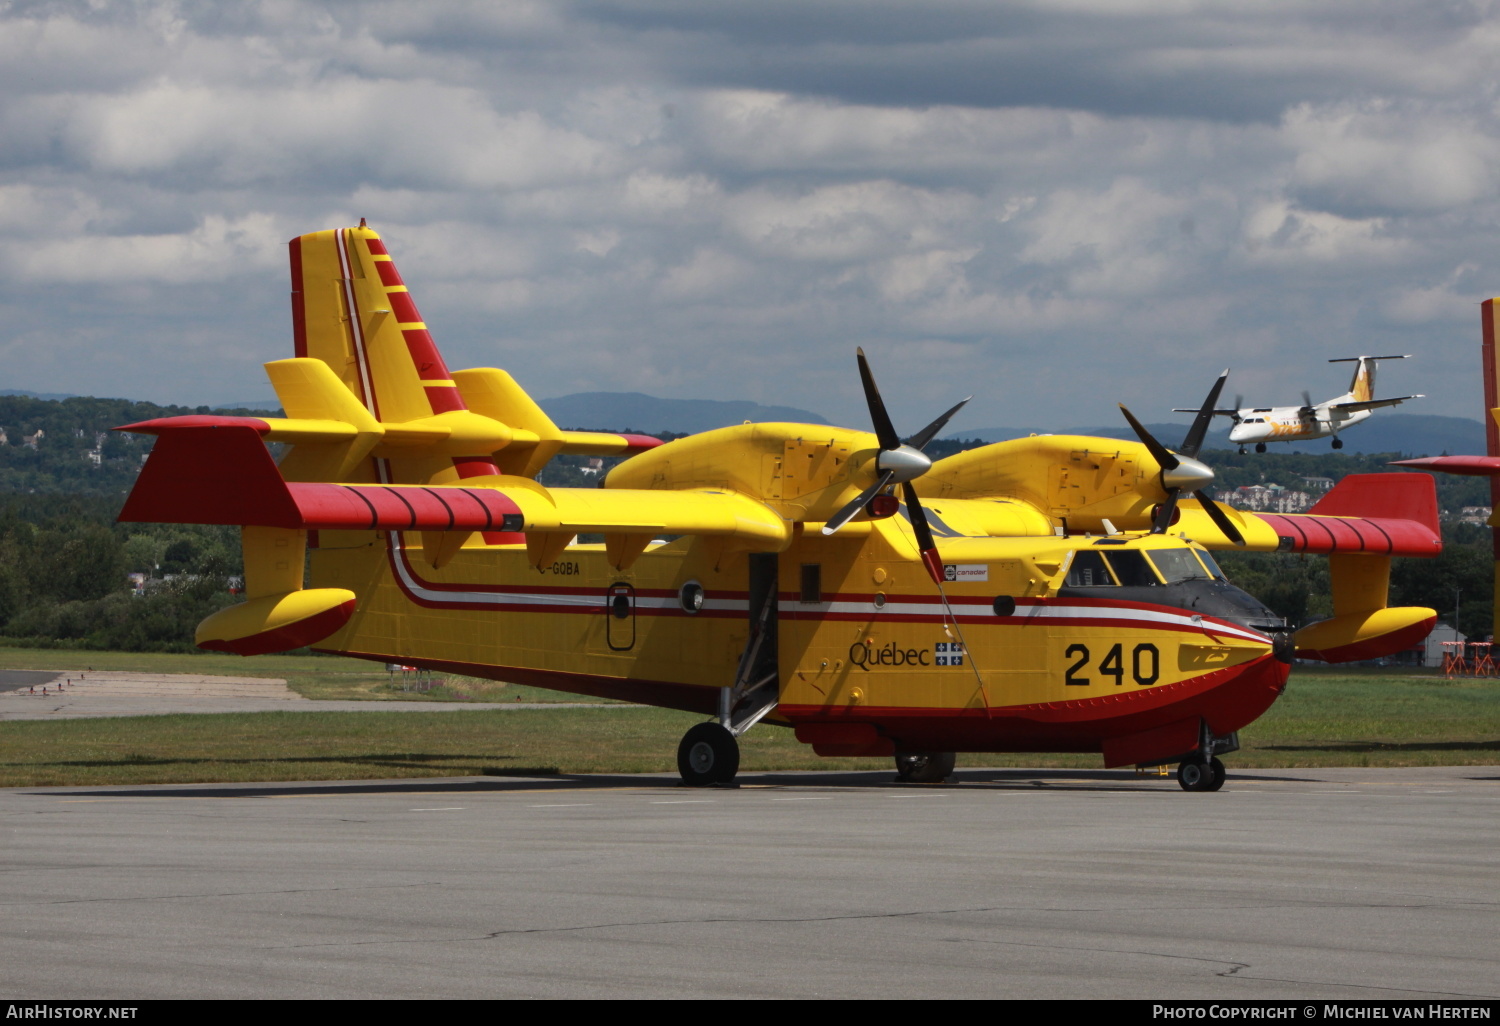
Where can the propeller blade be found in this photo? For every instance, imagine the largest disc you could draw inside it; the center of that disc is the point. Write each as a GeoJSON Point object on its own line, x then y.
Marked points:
{"type": "Point", "coordinates": [1220, 518]}
{"type": "Point", "coordinates": [921, 438]}
{"type": "Point", "coordinates": [930, 558]}
{"type": "Point", "coordinates": [846, 514]}
{"type": "Point", "coordinates": [1164, 515]}
{"type": "Point", "coordinates": [1194, 440]}
{"type": "Point", "coordinates": [885, 432]}
{"type": "Point", "coordinates": [1158, 453]}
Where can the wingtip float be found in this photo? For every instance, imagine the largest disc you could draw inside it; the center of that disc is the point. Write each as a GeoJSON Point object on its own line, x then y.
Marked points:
{"type": "Point", "coordinates": [1054, 593]}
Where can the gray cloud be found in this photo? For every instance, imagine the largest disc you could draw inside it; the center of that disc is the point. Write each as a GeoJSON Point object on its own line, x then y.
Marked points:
{"type": "Point", "coordinates": [1055, 206]}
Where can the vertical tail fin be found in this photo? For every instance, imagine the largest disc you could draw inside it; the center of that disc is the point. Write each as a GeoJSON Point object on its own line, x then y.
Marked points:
{"type": "Point", "coordinates": [352, 310]}
{"type": "Point", "coordinates": [1363, 385]}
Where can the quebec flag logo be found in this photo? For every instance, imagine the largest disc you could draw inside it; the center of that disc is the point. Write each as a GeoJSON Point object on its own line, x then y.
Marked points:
{"type": "Point", "coordinates": [948, 653]}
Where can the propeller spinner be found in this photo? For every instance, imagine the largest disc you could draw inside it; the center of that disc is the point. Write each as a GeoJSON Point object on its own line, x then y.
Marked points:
{"type": "Point", "coordinates": [897, 463]}
{"type": "Point", "coordinates": [1182, 471]}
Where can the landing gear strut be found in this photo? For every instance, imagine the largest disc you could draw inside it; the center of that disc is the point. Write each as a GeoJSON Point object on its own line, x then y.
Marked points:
{"type": "Point", "coordinates": [708, 755]}
{"type": "Point", "coordinates": [924, 767]}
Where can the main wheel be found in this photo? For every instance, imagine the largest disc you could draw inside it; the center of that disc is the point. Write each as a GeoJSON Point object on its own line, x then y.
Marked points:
{"type": "Point", "coordinates": [708, 754]}
{"type": "Point", "coordinates": [1338, 443]}
{"type": "Point", "coordinates": [1219, 773]}
{"type": "Point", "coordinates": [1260, 446]}
{"type": "Point", "coordinates": [1193, 775]}
{"type": "Point", "coordinates": [924, 767]}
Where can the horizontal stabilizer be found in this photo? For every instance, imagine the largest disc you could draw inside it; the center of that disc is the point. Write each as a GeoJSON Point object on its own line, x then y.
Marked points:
{"type": "Point", "coordinates": [1371, 404]}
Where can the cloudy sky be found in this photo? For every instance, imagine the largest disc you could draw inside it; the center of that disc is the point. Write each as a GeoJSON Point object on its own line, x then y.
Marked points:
{"type": "Point", "coordinates": [1055, 206]}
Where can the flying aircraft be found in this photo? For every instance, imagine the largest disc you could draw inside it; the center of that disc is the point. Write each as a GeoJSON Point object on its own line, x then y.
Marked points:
{"type": "Point", "coordinates": [1052, 593]}
{"type": "Point", "coordinates": [1262, 424]}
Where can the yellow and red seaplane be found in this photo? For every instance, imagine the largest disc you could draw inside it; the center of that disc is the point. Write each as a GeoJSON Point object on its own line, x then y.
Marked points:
{"type": "Point", "coordinates": [1052, 593]}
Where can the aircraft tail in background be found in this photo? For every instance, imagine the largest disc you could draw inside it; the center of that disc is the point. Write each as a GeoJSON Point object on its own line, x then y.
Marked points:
{"type": "Point", "coordinates": [1362, 386]}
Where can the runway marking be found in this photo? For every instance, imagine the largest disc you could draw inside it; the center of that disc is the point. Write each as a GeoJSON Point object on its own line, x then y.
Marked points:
{"type": "Point", "coordinates": [448, 808]}
{"type": "Point", "coordinates": [808, 798]}
{"type": "Point", "coordinates": [916, 796]}
{"type": "Point", "coordinates": [687, 801]}
{"type": "Point", "coordinates": [567, 805]}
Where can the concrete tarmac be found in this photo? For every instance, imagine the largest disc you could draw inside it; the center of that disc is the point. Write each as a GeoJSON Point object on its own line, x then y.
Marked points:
{"type": "Point", "coordinates": [78, 694]}
{"type": "Point", "coordinates": [1288, 884]}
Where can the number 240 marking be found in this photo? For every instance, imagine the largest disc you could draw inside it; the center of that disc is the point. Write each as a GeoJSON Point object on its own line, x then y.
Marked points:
{"type": "Point", "coordinates": [1145, 664]}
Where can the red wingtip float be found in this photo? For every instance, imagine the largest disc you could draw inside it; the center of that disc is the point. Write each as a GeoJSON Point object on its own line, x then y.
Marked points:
{"type": "Point", "coordinates": [1052, 593]}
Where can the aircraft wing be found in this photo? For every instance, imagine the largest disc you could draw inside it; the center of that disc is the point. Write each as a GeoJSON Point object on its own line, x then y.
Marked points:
{"type": "Point", "coordinates": [1379, 514]}
{"type": "Point", "coordinates": [1216, 413]}
{"type": "Point", "coordinates": [223, 474]}
{"type": "Point", "coordinates": [1371, 404]}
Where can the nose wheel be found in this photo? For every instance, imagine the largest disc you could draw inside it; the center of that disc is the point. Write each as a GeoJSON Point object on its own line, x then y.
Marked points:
{"type": "Point", "coordinates": [708, 755]}
{"type": "Point", "coordinates": [1196, 775]}
{"type": "Point", "coordinates": [924, 767]}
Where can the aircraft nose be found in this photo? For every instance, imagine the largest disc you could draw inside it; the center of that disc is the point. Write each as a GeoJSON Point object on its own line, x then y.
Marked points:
{"type": "Point", "coordinates": [1283, 647]}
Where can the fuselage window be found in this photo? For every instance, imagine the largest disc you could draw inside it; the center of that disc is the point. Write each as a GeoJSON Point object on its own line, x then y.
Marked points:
{"type": "Point", "coordinates": [812, 582]}
{"type": "Point", "coordinates": [1087, 571]}
{"type": "Point", "coordinates": [1178, 565]}
{"type": "Point", "coordinates": [1132, 569]}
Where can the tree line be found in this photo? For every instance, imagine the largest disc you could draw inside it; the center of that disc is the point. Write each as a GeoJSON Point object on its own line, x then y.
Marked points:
{"type": "Point", "coordinates": [66, 566]}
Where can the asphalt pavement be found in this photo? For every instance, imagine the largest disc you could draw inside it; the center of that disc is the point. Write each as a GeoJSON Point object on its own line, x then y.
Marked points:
{"type": "Point", "coordinates": [1299, 884]}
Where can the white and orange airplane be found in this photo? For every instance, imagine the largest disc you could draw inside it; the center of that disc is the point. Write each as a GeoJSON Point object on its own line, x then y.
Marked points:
{"type": "Point", "coordinates": [1053, 593]}
{"type": "Point", "coordinates": [1262, 424]}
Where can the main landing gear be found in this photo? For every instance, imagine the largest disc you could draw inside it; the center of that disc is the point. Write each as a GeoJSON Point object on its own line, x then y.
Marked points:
{"type": "Point", "coordinates": [924, 767]}
{"type": "Point", "coordinates": [708, 755]}
{"type": "Point", "coordinates": [1260, 446]}
{"type": "Point", "coordinates": [1338, 443]}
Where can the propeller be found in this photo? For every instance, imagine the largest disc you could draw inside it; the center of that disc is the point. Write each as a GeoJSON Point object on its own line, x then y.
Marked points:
{"type": "Point", "coordinates": [897, 463]}
{"type": "Point", "coordinates": [1184, 472]}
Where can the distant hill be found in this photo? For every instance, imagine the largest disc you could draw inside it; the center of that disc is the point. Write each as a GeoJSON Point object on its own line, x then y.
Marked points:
{"type": "Point", "coordinates": [36, 395]}
{"type": "Point", "coordinates": [251, 404]}
{"type": "Point", "coordinates": [1417, 434]}
{"type": "Point", "coordinates": [633, 411]}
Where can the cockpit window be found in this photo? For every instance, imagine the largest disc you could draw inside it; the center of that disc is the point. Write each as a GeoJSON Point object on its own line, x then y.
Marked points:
{"type": "Point", "coordinates": [1178, 565]}
{"type": "Point", "coordinates": [1132, 570]}
{"type": "Point", "coordinates": [1087, 571]}
{"type": "Point", "coordinates": [1212, 565]}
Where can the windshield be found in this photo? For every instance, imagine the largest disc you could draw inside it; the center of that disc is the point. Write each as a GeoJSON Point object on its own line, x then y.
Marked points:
{"type": "Point", "coordinates": [1213, 566]}
{"type": "Point", "coordinates": [1178, 565]}
{"type": "Point", "coordinates": [1131, 568]}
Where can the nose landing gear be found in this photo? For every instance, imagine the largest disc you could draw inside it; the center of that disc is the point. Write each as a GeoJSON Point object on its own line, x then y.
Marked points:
{"type": "Point", "coordinates": [1196, 775]}
{"type": "Point", "coordinates": [924, 767]}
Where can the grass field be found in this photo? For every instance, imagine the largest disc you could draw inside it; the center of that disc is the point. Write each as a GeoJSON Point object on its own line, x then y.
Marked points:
{"type": "Point", "coordinates": [1324, 719]}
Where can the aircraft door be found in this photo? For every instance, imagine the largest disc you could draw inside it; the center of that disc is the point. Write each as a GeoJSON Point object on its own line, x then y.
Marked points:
{"type": "Point", "coordinates": [619, 608]}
